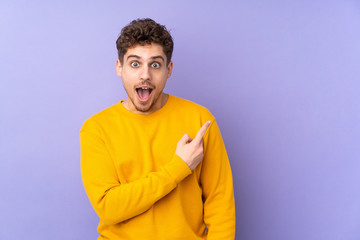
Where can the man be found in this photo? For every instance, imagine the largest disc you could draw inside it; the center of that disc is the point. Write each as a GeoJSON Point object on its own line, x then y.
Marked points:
{"type": "Point", "coordinates": [143, 176]}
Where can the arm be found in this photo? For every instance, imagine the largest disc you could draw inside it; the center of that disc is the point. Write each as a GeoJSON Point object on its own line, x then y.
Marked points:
{"type": "Point", "coordinates": [216, 181]}
{"type": "Point", "coordinates": [115, 202]}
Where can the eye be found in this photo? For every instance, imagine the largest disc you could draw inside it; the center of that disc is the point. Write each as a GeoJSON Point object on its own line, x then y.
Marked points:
{"type": "Point", "coordinates": [135, 64]}
{"type": "Point", "coordinates": [155, 65]}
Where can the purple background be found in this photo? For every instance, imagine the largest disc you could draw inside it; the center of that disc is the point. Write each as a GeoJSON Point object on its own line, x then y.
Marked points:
{"type": "Point", "coordinates": [282, 78]}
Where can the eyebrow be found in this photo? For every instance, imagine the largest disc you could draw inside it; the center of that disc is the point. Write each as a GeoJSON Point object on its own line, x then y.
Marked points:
{"type": "Point", "coordinates": [154, 57]}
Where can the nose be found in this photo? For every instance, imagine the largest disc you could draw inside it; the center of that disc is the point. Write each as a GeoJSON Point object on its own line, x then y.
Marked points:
{"type": "Point", "coordinates": [145, 73]}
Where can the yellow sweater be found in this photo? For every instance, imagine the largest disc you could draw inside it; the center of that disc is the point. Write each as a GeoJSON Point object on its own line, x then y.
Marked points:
{"type": "Point", "coordinates": [141, 190]}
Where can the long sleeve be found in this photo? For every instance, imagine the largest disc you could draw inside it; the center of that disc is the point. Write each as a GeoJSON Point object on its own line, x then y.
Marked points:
{"type": "Point", "coordinates": [115, 202]}
{"type": "Point", "coordinates": [217, 185]}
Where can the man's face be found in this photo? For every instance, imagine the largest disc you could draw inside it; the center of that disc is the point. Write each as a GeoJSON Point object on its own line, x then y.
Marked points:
{"type": "Point", "coordinates": [144, 73]}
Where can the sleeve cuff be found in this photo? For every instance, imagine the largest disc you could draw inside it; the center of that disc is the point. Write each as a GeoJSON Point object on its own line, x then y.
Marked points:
{"type": "Point", "coordinates": [178, 169]}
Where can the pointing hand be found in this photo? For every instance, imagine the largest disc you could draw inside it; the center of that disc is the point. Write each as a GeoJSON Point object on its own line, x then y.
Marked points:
{"type": "Point", "coordinates": [190, 150]}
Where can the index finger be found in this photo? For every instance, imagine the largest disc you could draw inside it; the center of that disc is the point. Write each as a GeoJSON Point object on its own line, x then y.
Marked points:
{"type": "Point", "coordinates": [202, 132]}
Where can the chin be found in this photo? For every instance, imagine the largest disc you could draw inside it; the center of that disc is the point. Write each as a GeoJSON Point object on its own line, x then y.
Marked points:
{"type": "Point", "coordinates": [144, 107]}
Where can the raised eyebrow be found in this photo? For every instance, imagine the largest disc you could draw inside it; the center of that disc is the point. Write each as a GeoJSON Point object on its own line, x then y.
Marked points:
{"type": "Point", "coordinates": [156, 57]}
{"type": "Point", "coordinates": [134, 56]}
{"type": "Point", "coordinates": [153, 58]}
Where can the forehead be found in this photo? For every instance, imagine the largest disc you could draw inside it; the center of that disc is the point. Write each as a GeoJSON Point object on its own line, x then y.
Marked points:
{"type": "Point", "coordinates": [146, 51]}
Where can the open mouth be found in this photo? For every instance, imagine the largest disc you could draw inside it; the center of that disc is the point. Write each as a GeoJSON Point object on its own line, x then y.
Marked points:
{"type": "Point", "coordinates": [143, 93]}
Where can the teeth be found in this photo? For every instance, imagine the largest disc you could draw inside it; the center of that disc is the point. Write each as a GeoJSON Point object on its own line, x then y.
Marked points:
{"type": "Point", "coordinates": [144, 88]}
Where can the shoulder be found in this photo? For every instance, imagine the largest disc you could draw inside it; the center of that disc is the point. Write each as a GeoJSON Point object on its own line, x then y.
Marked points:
{"type": "Point", "coordinates": [191, 108]}
{"type": "Point", "coordinates": [103, 117]}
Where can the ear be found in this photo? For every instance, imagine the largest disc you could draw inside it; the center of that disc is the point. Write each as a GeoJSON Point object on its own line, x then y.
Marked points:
{"type": "Point", "coordinates": [118, 68]}
{"type": "Point", "coordinates": [170, 67]}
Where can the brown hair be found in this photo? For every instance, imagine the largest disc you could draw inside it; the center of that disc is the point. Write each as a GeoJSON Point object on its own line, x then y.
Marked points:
{"type": "Point", "coordinates": [142, 32]}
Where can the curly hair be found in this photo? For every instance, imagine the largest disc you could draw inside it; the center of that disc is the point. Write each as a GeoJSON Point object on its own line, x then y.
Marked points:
{"type": "Point", "coordinates": [143, 32]}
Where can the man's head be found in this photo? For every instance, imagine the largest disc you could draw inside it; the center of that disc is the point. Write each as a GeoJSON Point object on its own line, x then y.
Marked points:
{"type": "Point", "coordinates": [144, 32]}
{"type": "Point", "coordinates": [144, 64]}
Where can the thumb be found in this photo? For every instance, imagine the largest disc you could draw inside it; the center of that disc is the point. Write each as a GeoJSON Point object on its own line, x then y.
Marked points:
{"type": "Point", "coordinates": [185, 139]}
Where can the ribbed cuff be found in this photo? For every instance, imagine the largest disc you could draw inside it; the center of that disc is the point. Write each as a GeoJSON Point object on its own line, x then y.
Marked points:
{"type": "Point", "coordinates": [178, 169]}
